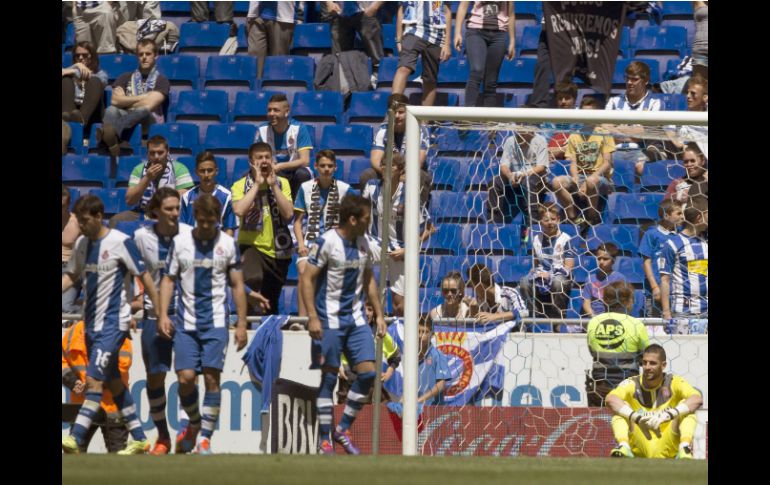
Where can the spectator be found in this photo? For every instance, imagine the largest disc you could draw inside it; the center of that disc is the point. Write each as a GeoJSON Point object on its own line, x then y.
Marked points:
{"type": "Point", "coordinates": [485, 46]}
{"type": "Point", "coordinates": [95, 22]}
{"type": "Point", "coordinates": [696, 180]}
{"type": "Point", "coordinates": [700, 46]}
{"type": "Point", "coordinates": [616, 341]}
{"type": "Point", "coordinates": [590, 172]}
{"type": "Point", "coordinates": [137, 97]}
{"type": "Point", "coordinates": [494, 303]}
{"type": "Point", "coordinates": [147, 177]}
{"type": "Point", "coordinates": [262, 201]}
{"type": "Point", "coordinates": [593, 290]}
{"type": "Point", "coordinates": [669, 218]}
{"type": "Point", "coordinates": [636, 98]}
{"type": "Point", "coordinates": [207, 170]}
{"type": "Point", "coordinates": [565, 93]}
{"type": "Point", "coordinates": [289, 140]}
{"type": "Point", "coordinates": [319, 199]}
{"type": "Point", "coordinates": [456, 304]}
{"type": "Point", "coordinates": [132, 11]}
{"type": "Point", "coordinates": [82, 86]}
{"type": "Point", "coordinates": [541, 86]}
{"type": "Point", "coordinates": [427, 34]}
{"type": "Point", "coordinates": [347, 18]}
{"type": "Point", "coordinates": [223, 12]}
{"type": "Point", "coordinates": [552, 274]}
{"type": "Point", "coordinates": [697, 88]}
{"type": "Point", "coordinates": [66, 136]}
{"type": "Point", "coordinates": [685, 268]}
{"type": "Point", "coordinates": [70, 232]}
{"type": "Point", "coordinates": [270, 29]}
{"type": "Point", "coordinates": [521, 184]}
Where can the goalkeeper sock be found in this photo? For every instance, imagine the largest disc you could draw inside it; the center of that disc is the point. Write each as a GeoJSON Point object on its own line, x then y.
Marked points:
{"type": "Point", "coordinates": [687, 428]}
{"type": "Point", "coordinates": [620, 429]}
{"type": "Point", "coordinates": [127, 408]}
{"type": "Point", "coordinates": [324, 405]}
{"type": "Point", "coordinates": [157, 398]}
{"type": "Point", "coordinates": [356, 397]}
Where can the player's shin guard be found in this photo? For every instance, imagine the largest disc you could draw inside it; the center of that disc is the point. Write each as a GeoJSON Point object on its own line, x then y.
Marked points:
{"type": "Point", "coordinates": [687, 428]}
{"type": "Point", "coordinates": [190, 406]}
{"type": "Point", "coordinates": [125, 403]}
{"type": "Point", "coordinates": [356, 398]}
{"type": "Point", "coordinates": [210, 413]}
{"type": "Point", "coordinates": [324, 405]}
{"type": "Point", "coordinates": [88, 410]}
{"type": "Point", "coordinates": [157, 398]}
{"type": "Point", "coordinates": [620, 428]}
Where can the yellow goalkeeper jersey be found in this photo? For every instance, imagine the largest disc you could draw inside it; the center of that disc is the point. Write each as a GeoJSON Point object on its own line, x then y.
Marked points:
{"type": "Point", "coordinates": [673, 390]}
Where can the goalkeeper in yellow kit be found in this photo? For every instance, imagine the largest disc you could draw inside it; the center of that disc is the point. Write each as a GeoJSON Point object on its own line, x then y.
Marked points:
{"type": "Point", "coordinates": [654, 412]}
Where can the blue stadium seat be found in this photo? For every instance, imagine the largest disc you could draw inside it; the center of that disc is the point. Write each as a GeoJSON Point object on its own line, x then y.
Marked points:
{"type": "Point", "coordinates": [231, 137]}
{"type": "Point", "coordinates": [116, 64]}
{"type": "Point", "coordinates": [584, 265]}
{"type": "Point", "coordinates": [475, 206]}
{"type": "Point", "coordinates": [517, 73]}
{"type": "Point", "coordinates": [85, 170]}
{"type": "Point", "coordinates": [448, 174]}
{"type": "Point", "coordinates": [114, 199]}
{"type": "Point", "coordinates": [453, 73]}
{"type": "Point", "coordinates": [202, 36]}
{"type": "Point", "coordinates": [460, 142]}
{"type": "Point", "coordinates": [638, 309]}
{"type": "Point", "coordinates": [181, 137]}
{"type": "Point", "coordinates": [251, 106]}
{"type": "Point", "coordinates": [478, 177]}
{"type": "Point", "coordinates": [125, 167]}
{"type": "Point", "coordinates": [318, 106]}
{"type": "Point", "coordinates": [200, 105]}
{"type": "Point", "coordinates": [618, 77]}
{"type": "Point", "coordinates": [288, 71]}
{"type": "Point", "coordinates": [388, 67]}
{"type": "Point", "coordinates": [347, 140]}
{"type": "Point", "coordinates": [491, 239]}
{"type": "Point", "coordinates": [354, 167]}
{"type": "Point", "coordinates": [292, 277]}
{"type": "Point", "coordinates": [513, 268]}
{"type": "Point", "coordinates": [75, 144]}
{"type": "Point", "coordinates": [367, 106]}
{"type": "Point", "coordinates": [530, 38]}
{"type": "Point", "coordinates": [656, 176]}
{"type": "Point", "coordinates": [429, 299]}
{"type": "Point", "coordinates": [182, 8]}
{"type": "Point", "coordinates": [180, 70]}
{"type": "Point", "coordinates": [446, 206]}
{"type": "Point", "coordinates": [575, 309]}
{"type": "Point", "coordinates": [623, 175]}
{"type": "Point", "coordinates": [635, 207]}
{"type": "Point", "coordinates": [240, 9]}
{"type": "Point", "coordinates": [231, 71]}
{"type": "Point", "coordinates": [238, 170]}
{"type": "Point", "coordinates": [630, 267]}
{"type": "Point", "coordinates": [74, 196]}
{"type": "Point", "coordinates": [442, 98]}
{"type": "Point", "coordinates": [446, 240]}
{"type": "Point", "coordinates": [389, 39]}
{"type": "Point", "coordinates": [677, 10]}
{"type": "Point", "coordinates": [532, 10]}
{"type": "Point", "coordinates": [625, 42]}
{"type": "Point", "coordinates": [660, 40]}
{"type": "Point", "coordinates": [624, 236]}
{"type": "Point", "coordinates": [672, 102]}
{"type": "Point", "coordinates": [312, 38]}
{"type": "Point", "coordinates": [69, 36]}
{"type": "Point", "coordinates": [129, 227]}
{"type": "Point", "coordinates": [287, 304]}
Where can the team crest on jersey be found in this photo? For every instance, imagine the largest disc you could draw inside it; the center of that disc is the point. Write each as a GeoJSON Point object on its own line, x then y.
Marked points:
{"type": "Point", "coordinates": [105, 254]}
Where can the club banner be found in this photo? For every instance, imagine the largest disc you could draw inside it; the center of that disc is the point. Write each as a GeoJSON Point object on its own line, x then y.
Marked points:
{"type": "Point", "coordinates": [583, 40]}
{"type": "Point", "coordinates": [293, 419]}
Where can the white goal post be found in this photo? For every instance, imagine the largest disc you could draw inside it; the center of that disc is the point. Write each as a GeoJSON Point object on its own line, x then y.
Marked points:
{"type": "Point", "coordinates": [417, 114]}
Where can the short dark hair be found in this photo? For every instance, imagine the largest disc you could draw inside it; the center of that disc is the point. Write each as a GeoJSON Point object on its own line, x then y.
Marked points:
{"type": "Point", "coordinates": [566, 88]}
{"type": "Point", "coordinates": [158, 197]}
{"type": "Point", "coordinates": [480, 274]}
{"type": "Point", "coordinates": [619, 296]}
{"type": "Point", "coordinates": [326, 154]}
{"type": "Point", "coordinates": [158, 140]}
{"type": "Point", "coordinates": [88, 204]}
{"type": "Point", "coordinates": [146, 42]}
{"type": "Point", "coordinates": [425, 321]}
{"type": "Point", "coordinates": [278, 98]}
{"type": "Point", "coordinates": [590, 101]}
{"type": "Point", "coordinates": [695, 208]}
{"type": "Point", "coordinates": [638, 68]}
{"type": "Point", "coordinates": [548, 207]}
{"type": "Point", "coordinates": [657, 349]}
{"type": "Point", "coordinates": [353, 205]}
{"type": "Point", "coordinates": [397, 100]}
{"type": "Point", "coordinates": [260, 146]}
{"type": "Point", "coordinates": [609, 248]}
{"type": "Point", "coordinates": [205, 156]}
{"type": "Point", "coordinates": [207, 205]}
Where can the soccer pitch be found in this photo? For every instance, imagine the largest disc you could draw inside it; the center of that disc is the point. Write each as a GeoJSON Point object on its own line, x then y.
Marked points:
{"type": "Point", "coordinates": [369, 470]}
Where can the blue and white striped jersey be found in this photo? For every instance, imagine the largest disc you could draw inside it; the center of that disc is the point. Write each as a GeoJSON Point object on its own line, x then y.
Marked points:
{"type": "Point", "coordinates": [373, 192]}
{"type": "Point", "coordinates": [106, 266]}
{"type": "Point", "coordinates": [551, 253]}
{"type": "Point", "coordinates": [507, 299]}
{"type": "Point", "coordinates": [621, 103]}
{"type": "Point", "coordinates": [154, 250]}
{"type": "Point", "coordinates": [225, 197]}
{"type": "Point", "coordinates": [305, 202]}
{"type": "Point", "coordinates": [340, 286]}
{"type": "Point", "coordinates": [287, 145]}
{"type": "Point", "coordinates": [426, 20]}
{"type": "Point", "coordinates": [651, 245]}
{"type": "Point", "coordinates": [686, 259]}
{"type": "Point", "coordinates": [201, 271]}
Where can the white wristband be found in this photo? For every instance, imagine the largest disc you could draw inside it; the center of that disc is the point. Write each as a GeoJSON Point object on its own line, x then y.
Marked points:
{"type": "Point", "coordinates": [683, 408]}
{"type": "Point", "coordinates": [625, 411]}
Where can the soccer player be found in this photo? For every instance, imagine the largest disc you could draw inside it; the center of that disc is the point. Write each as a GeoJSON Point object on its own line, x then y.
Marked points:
{"type": "Point", "coordinates": [202, 261]}
{"type": "Point", "coordinates": [154, 242]}
{"type": "Point", "coordinates": [338, 273]}
{"type": "Point", "coordinates": [207, 170]}
{"type": "Point", "coordinates": [104, 258]}
{"type": "Point", "coordinates": [654, 412]}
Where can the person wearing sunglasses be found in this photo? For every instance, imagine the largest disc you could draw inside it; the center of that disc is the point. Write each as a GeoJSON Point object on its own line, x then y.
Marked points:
{"type": "Point", "coordinates": [456, 304]}
{"type": "Point", "coordinates": [82, 86]}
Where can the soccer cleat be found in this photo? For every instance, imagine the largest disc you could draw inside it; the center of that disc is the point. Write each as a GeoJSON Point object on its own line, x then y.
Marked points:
{"type": "Point", "coordinates": [69, 445]}
{"type": "Point", "coordinates": [136, 448]}
{"type": "Point", "coordinates": [185, 441]}
{"type": "Point", "coordinates": [204, 447]}
{"type": "Point", "coordinates": [346, 441]}
{"type": "Point", "coordinates": [622, 451]}
{"type": "Point", "coordinates": [162, 447]}
{"type": "Point", "coordinates": [326, 448]}
{"type": "Point", "coordinates": [685, 453]}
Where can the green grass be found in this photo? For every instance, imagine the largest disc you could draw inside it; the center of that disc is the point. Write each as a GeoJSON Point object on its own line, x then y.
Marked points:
{"type": "Point", "coordinates": [369, 470]}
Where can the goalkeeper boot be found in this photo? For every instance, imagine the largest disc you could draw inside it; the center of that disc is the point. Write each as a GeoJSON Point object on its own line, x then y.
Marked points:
{"type": "Point", "coordinates": [326, 448]}
{"type": "Point", "coordinates": [162, 447]}
{"type": "Point", "coordinates": [204, 447]}
{"type": "Point", "coordinates": [69, 445]}
{"type": "Point", "coordinates": [622, 451]}
{"type": "Point", "coordinates": [136, 448]}
{"type": "Point", "coordinates": [685, 453]}
{"type": "Point", "coordinates": [346, 441]}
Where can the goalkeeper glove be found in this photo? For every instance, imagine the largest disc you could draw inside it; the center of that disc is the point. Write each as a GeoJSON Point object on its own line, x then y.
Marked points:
{"type": "Point", "coordinates": [667, 415]}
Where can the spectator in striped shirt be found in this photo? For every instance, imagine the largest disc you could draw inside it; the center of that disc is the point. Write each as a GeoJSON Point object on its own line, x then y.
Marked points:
{"type": "Point", "coordinates": [494, 303]}
{"type": "Point", "coordinates": [428, 27]}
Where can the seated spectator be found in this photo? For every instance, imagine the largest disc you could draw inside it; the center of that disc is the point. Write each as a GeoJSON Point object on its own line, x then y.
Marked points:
{"type": "Point", "coordinates": [82, 86]}
{"type": "Point", "coordinates": [552, 274]}
{"type": "Point", "coordinates": [494, 303]}
{"type": "Point", "coordinates": [593, 290]}
{"type": "Point", "coordinates": [521, 183]}
{"type": "Point", "coordinates": [158, 171]}
{"type": "Point", "coordinates": [696, 182]}
{"type": "Point", "coordinates": [70, 232]}
{"type": "Point", "coordinates": [565, 93]}
{"type": "Point", "coordinates": [137, 97]}
{"type": "Point", "coordinates": [456, 304]}
{"type": "Point", "coordinates": [697, 100]}
{"type": "Point", "coordinates": [289, 140]}
{"type": "Point", "coordinates": [66, 136]}
{"type": "Point", "coordinates": [164, 33]}
{"type": "Point", "coordinates": [96, 22]}
{"type": "Point", "coordinates": [590, 173]}
{"type": "Point", "coordinates": [207, 170]}
{"type": "Point", "coordinates": [270, 29]}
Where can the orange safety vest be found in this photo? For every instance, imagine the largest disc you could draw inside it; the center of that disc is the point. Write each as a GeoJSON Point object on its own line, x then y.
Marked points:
{"type": "Point", "coordinates": [74, 356]}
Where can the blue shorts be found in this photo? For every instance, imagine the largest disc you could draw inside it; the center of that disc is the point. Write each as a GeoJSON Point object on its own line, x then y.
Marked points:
{"type": "Point", "coordinates": [104, 353]}
{"type": "Point", "coordinates": [356, 342]}
{"type": "Point", "coordinates": [156, 350]}
{"type": "Point", "coordinates": [196, 350]}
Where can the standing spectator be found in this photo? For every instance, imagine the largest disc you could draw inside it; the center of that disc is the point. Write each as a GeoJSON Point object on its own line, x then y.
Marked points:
{"type": "Point", "coordinates": [593, 290]}
{"type": "Point", "coordinates": [347, 18]}
{"type": "Point", "coordinates": [82, 86]}
{"type": "Point", "coordinates": [494, 303]}
{"type": "Point", "coordinates": [669, 218]}
{"type": "Point", "coordinates": [270, 29]}
{"type": "Point", "coordinates": [685, 261]}
{"type": "Point", "coordinates": [696, 180]}
{"type": "Point", "coordinates": [521, 184]}
{"type": "Point", "coordinates": [262, 201]}
{"type": "Point", "coordinates": [207, 170]}
{"type": "Point", "coordinates": [160, 170]}
{"type": "Point", "coordinates": [200, 331]}
{"type": "Point", "coordinates": [70, 232]}
{"type": "Point", "coordinates": [137, 97]}
{"type": "Point", "coordinates": [223, 12]}
{"type": "Point", "coordinates": [541, 85]}
{"type": "Point", "coordinates": [290, 142]}
{"type": "Point", "coordinates": [96, 23]}
{"type": "Point", "coordinates": [427, 34]}
{"type": "Point", "coordinates": [552, 274]}
{"type": "Point", "coordinates": [485, 46]}
{"type": "Point", "coordinates": [456, 304]}
{"type": "Point", "coordinates": [131, 11]}
{"type": "Point", "coordinates": [319, 199]}
{"type": "Point", "coordinates": [700, 46]}
{"type": "Point", "coordinates": [636, 98]}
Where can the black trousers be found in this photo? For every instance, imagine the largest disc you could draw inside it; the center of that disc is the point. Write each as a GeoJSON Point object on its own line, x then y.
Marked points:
{"type": "Point", "coordinates": [264, 274]}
